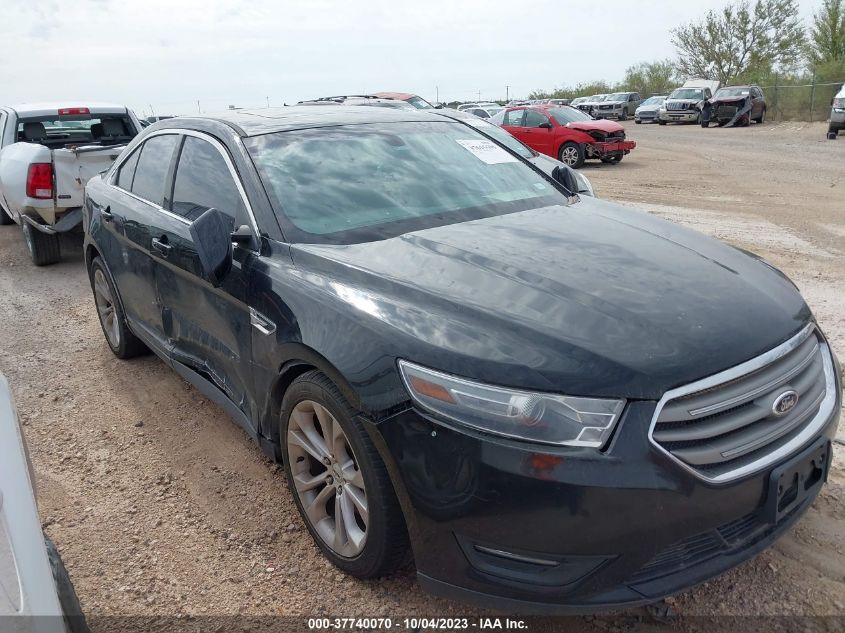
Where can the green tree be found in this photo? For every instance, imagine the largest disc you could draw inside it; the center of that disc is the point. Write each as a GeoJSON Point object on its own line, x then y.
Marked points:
{"type": "Point", "coordinates": [827, 34]}
{"type": "Point", "coordinates": [651, 78]}
{"type": "Point", "coordinates": [741, 39]}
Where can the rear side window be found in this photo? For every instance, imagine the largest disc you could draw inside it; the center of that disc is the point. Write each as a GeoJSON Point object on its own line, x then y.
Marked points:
{"type": "Point", "coordinates": [203, 181]}
{"type": "Point", "coordinates": [151, 171]}
{"type": "Point", "coordinates": [514, 117]}
{"type": "Point", "coordinates": [127, 171]}
{"type": "Point", "coordinates": [534, 118]}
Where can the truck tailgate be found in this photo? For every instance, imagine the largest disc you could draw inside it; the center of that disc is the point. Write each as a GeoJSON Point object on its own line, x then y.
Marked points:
{"type": "Point", "coordinates": [75, 167]}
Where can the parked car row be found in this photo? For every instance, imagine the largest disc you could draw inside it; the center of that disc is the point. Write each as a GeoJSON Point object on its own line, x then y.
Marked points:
{"type": "Point", "coordinates": [421, 320]}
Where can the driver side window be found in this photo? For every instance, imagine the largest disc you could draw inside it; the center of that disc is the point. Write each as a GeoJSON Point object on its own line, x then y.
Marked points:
{"type": "Point", "coordinates": [534, 118]}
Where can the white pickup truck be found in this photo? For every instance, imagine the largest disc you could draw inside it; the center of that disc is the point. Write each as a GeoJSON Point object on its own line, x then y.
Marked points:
{"type": "Point", "coordinates": [47, 154]}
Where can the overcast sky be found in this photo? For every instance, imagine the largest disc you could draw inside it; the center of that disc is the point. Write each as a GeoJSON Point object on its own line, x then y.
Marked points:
{"type": "Point", "coordinates": [166, 55]}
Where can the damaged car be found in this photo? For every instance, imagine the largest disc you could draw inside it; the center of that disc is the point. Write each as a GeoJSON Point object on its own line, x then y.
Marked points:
{"type": "Point", "coordinates": [735, 106]}
{"type": "Point", "coordinates": [555, 402]}
{"type": "Point", "coordinates": [47, 154]}
{"type": "Point", "coordinates": [836, 123]}
{"type": "Point", "coordinates": [684, 104]}
{"type": "Point", "coordinates": [565, 133]}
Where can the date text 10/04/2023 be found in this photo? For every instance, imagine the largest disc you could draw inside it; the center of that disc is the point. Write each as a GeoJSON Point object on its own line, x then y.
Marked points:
{"type": "Point", "coordinates": [416, 623]}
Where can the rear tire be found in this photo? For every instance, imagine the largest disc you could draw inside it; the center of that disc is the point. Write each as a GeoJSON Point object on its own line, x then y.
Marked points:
{"type": "Point", "coordinates": [43, 248]}
{"type": "Point", "coordinates": [120, 339]}
{"type": "Point", "coordinates": [350, 480]}
{"type": "Point", "coordinates": [762, 118]}
{"type": "Point", "coordinates": [5, 218]}
{"type": "Point", "coordinates": [832, 134]}
{"type": "Point", "coordinates": [571, 154]}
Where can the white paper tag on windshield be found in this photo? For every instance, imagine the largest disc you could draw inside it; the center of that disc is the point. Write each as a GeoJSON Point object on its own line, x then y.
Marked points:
{"type": "Point", "coordinates": [487, 151]}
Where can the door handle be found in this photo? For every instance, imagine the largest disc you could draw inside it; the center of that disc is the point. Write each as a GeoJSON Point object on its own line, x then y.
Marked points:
{"type": "Point", "coordinates": [106, 214]}
{"type": "Point", "coordinates": [162, 246]}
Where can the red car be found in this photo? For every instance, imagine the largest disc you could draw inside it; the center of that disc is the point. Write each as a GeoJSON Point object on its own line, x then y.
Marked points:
{"type": "Point", "coordinates": [565, 133]}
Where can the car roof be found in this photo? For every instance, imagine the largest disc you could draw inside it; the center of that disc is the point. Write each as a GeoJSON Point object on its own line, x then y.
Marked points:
{"type": "Point", "coordinates": [254, 122]}
{"type": "Point", "coordinates": [49, 108]}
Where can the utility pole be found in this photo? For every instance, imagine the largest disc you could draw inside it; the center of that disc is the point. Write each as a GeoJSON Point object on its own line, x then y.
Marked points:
{"type": "Point", "coordinates": [199, 111]}
{"type": "Point", "coordinates": [479, 95]}
{"type": "Point", "coordinates": [507, 94]}
{"type": "Point", "coordinates": [268, 102]}
{"type": "Point", "coordinates": [437, 94]}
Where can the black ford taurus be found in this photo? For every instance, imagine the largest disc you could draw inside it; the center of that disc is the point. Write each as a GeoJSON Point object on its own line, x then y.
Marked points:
{"type": "Point", "coordinates": [556, 402]}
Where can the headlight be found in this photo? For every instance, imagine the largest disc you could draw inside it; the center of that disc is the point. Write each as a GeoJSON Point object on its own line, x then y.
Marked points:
{"type": "Point", "coordinates": [839, 104]}
{"type": "Point", "coordinates": [524, 415]}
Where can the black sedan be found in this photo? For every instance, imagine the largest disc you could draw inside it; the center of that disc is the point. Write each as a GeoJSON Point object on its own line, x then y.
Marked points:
{"type": "Point", "coordinates": [558, 403]}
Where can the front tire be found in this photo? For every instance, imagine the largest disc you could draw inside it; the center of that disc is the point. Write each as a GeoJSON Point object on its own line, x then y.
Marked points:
{"type": "Point", "coordinates": [338, 481]}
{"type": "Point", "coordinates": [616, 158]}
{"type": "Point", "coordinates": [624, 116]}
{"type": "Point", "coordinates": [762, 117]}
{"type": "Point", "coordinates": [120, 339]}
{"type": "Point", "coordinates": [661, 122]}
{"type": "Point", "coordinates": [43, 248]}
{"type": "Point", "coordinates": [571, 154]}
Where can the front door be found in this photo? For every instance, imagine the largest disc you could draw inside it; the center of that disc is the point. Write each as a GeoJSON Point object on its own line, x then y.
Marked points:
{"type": "Point", "coordinates": [541, 139]}
{"type": "Point", "coordinates": [208, 328]}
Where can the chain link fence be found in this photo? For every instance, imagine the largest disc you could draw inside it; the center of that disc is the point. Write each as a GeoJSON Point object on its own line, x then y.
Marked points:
{"type": "Point", "coordinates": [804, 102]}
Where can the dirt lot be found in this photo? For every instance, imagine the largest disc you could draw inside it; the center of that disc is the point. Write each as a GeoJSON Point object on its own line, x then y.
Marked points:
{"type": "Point", "coordinates": [161, 505]}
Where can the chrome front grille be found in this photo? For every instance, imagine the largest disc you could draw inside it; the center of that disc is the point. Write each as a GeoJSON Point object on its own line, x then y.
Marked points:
{"type": "Point", "coordinates": [676, 105]}
{"type": "Point", "coordinates": [727, 425]}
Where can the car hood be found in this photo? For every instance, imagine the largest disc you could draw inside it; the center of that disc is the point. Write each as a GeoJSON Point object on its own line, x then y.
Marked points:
{"type": "Point", "coordinates": [599, 124]}
{"type": "Point", "coordinates": [590, 299]}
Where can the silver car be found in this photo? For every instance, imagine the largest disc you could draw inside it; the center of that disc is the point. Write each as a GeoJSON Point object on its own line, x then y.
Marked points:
{"type": "Point", "coordinates": [837, 115]}
{"type": "Point", "coordinates": [619, 105]}
{"type": "Point", "coordinates": [647, 112]}
{"type": "Point", "coordinates": [36, 595]}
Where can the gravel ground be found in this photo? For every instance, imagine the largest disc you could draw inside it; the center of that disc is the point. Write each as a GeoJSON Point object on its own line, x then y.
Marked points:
{"type": "Point", "coordinates": [160, 505]}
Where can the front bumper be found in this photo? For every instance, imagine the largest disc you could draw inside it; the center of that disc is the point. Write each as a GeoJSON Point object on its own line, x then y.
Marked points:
{"type": "Point", "coordinates": [597, 149]}
{"type": "Point", "coordinates": [560, 530]}
{"type": "Point", "coordinates": [685, 116]}
{"type": "Point", "coordinates": [837, 119]}
{"type": "Point", "coordinates": [607, 114]}
{"type": "Point", "coordinates": [645, 115]}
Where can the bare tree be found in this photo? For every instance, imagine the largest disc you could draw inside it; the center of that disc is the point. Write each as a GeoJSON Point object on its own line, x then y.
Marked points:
{"type": "Point", "coordinates": [827, 35]}
{"type": "Point", "coordinates": [740, 39]}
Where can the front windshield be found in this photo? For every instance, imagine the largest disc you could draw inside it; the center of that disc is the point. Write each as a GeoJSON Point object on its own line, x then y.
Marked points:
{"type": "Point", "coordinates": [361, 183]}
{"type": "Point", "coordinates": [578, 100]}
{"type": "Point", "coordinates": [687, 93]}
{"type": "Point", "coordinates": [599, 98]}
{"type": "Point", "coordinates": [619, 96]}
{"type": "Point", "coordinates": [565, 114]}
{"type": "Point", "coordinates": [654, 101]}
{"type": "Point", "coordinates": [733, 92]}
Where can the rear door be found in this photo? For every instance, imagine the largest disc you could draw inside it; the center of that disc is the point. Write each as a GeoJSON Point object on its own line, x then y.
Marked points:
{"type": "Point", "coordinates": [136, 200]}
{"type": "Point", "coordinates": [513, 124]}
{"type": "Point", "coordinates": [208, 328]}
{"type": "Point", "coordinates": [541, 139]}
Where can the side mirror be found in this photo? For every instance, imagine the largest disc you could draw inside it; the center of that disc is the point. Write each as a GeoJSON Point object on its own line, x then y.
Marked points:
{"type": "Point", "coordinates": [546, 125]}
{"type": "Point", "coordinates": [566, 177]}
{"type": "Point", "coordinates": [212, 236]}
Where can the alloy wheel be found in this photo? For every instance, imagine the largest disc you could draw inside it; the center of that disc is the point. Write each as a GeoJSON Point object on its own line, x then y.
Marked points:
{"type": "Point", "coordinates": [106, 309]}
{"type": "Point", "coordinates": [327, 478]}
{"type": "Point", "coordinates": [569, 156]}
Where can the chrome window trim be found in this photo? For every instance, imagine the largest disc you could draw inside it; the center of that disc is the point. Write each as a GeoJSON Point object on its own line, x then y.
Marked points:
{"type": "Point", "coordinates": [809, 432]}
{"type": "Point", "coordinates": [223, 152]}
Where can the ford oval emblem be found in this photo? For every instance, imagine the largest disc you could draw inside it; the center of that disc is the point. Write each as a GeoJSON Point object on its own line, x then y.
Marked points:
{"type": "Point", "coordinates": [785, 402]}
